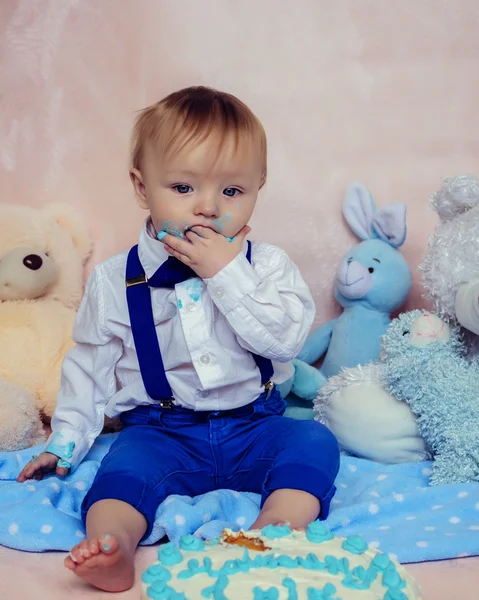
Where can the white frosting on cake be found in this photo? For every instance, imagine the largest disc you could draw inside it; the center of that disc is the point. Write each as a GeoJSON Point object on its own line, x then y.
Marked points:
{"type": "Point", "coordinates": [311, 565]}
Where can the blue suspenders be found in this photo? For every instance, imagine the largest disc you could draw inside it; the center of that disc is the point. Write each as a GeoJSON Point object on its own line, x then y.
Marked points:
{"type": "Point", "coordinates": [146, 340]}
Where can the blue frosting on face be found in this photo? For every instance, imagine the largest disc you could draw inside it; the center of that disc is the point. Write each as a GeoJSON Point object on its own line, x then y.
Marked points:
{"type": "Point", "coordinates": [317, 533]}
{"type": "Point", "coordinates": [274, 532]}
{"type": "Point", "coordinates": [355, 544]}
{"type": "Point", "coordinates": [169, 555]}
{"type": "Point", "coordinates": [191, 543]}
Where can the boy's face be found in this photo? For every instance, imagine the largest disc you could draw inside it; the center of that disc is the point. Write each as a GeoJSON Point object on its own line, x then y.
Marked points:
{"type": "Point", "coordinates": [199, 187]}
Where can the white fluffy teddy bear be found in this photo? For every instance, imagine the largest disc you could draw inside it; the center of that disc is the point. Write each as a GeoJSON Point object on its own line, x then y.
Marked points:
{"type": "Point", "coordinates": [42, 257]}
{"type": "Point", "coordinates": [367, 420]}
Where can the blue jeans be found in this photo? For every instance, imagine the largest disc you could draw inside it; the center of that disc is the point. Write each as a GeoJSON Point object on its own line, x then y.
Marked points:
{"type": "Point", "coordinates": [179, 451]}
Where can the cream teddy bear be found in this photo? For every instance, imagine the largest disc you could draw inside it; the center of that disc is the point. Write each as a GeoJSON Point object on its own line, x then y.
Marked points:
{"type": "Point", "coordinates": [356, 405]}
{"type": "Point", "coordinates": [42, 257]}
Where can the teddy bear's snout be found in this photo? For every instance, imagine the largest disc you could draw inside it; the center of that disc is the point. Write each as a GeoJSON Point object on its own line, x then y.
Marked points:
{"type": "Point", "coordinates": [26, 273]}
{"type": "Point", "coordinates": [33, 262]}
{"type": "Point", "coordinates": [429, 328]}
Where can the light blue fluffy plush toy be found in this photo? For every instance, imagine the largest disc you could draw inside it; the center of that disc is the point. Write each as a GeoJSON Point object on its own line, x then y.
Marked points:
{"type": "Point", "coordinates": [423, 363]}
{"type": "Point", "coordinates": [372, 281]}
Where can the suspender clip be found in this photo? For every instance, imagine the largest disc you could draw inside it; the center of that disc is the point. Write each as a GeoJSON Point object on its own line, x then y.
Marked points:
{"type": "Point", "coordinates": [166, 403]}
{"type": "Point", "coordinates": [268, 386]}
{"type": "Point", "coordinates": [136, 280]}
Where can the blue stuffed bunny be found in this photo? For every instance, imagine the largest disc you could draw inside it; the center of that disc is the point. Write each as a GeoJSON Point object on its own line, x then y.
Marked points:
{"type": "Point", "coordinates": [372, 281]}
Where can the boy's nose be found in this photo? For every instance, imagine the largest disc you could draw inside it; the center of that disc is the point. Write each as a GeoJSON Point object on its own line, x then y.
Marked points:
{"type": "Point", "coordinates": [207, 208]}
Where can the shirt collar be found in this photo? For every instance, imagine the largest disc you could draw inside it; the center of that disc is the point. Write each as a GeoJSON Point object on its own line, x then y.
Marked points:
{"type": "Point", "coordinates": [151, 251]}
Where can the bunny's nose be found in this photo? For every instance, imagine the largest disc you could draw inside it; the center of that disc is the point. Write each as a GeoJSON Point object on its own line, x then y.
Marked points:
{"type": "Point", "coordinates": [33, 262]}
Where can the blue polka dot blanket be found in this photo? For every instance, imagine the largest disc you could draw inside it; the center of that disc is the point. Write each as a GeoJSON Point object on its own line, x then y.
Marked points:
{"type": "Point", "coordinates": [392, 507]}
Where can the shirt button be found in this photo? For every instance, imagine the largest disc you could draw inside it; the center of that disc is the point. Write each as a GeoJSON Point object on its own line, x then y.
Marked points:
{"type": "Point", "coordinates": [205, 359]}
{"type": "Point", "coordinates": [219, 293]}
{"type": "Point", "coordinates": [190, 307]}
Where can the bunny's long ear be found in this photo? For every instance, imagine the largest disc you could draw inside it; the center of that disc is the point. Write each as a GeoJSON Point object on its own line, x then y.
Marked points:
{"type": "Point", "coordinates": [389, 224]}
{"type": "Point", "coordinates": [358, 210]}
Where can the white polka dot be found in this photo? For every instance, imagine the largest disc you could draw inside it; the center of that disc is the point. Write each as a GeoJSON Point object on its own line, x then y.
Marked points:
{"type": "Point", "coordinates": [449, 534]}
{"type": "Point", "coordinates": [80, 485]}
{"type": "Point", "coordinates": [345, 522]}
{"type": "Point", "coordinates": [352, 468]}
{"type": "Point", "coordinates": [13, 529]}
{"type": "Point", "coordinates": [46, 528]}
{"type": "Point", "coordinates": [463, 555]}
{"type": "Point", "coordinates": [336, 501]}
{"type": "Point", "coordinates": [384, 527]}
{"type": "Point", "coordinates": [168, 500]}
{"type": "Point", "coordinates": [241, 520]}
{"type": "Point", "coordinates": [343, 485]}
{"type": "Point", "coordinates": [374, 544]}
{"type": "Point", "coordinates": [54, 485]}
{"type": "Point", "coordinates": [463, 494]}
{"type": "Point", "coordinates": [381, 477]}
{"type": "Point", "coordinates": [422, 544]}
{"type": "Point", "coordinates": [426, 472]}
{"type": "Point", "coordinates": [477, 505]}
{"type": "Point", "coordinates": [375, 494]}
{"type": "Point", "coordinates": [474, 527]}
{"type": "Point", "coordinates": [46, 501]}
{"type": "Point", "coordinates": [180, 519]}
{"type": "Point", "coordinates": [399, 497]}
{"type": "Point", "coordinates": [437, 507]}
{"type": "Point", "coordinates": [421, 489]}
{"type": "Point", "coordinates": [429, 528]}
{"type": "Point", "coordinates": [373, 509]}
{"type": "Point", "coordinates": [410, 518]}
{"type": "Point", "coordinates": [79, 533]}
{"type": "Point", "coordinates": [454, 520]}
{"type": "Point", "coordinates": [31, 488]}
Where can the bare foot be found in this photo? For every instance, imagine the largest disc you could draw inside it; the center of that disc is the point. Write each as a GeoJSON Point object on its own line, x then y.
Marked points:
{"type": "Point", "coordinates": [103, 563]}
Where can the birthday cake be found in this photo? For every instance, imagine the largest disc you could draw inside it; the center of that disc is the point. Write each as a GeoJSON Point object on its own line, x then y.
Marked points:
{"type": "Point", "coordinates": [276, 564]}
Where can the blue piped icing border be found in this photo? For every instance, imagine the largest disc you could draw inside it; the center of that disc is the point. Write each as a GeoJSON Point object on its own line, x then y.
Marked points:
{"type": "Point", "coordinates": [381, 567]}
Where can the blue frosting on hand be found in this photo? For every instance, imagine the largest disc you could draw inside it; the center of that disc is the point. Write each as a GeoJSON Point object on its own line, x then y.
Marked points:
{"type": "Point", "coordinates": [355, 544]}
{"type": "Point", "coordinates": [231, 239]}
{"type": "Point", "coordinates": [191, 543]}
{"type": "Point", "coordinates": [161, 235]}
{"type": "Point", "coordinates": [169, 555]}
{"type": "Point", "coordinates": [274, 532]}
{"type": "Point", "coordinates": [317, 533]}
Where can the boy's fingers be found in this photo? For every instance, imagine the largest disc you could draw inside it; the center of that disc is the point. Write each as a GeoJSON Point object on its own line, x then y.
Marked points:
{"type": "Point", "coordinates": [61, 471]}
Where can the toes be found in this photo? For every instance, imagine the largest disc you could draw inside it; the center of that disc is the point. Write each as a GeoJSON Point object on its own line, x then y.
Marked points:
{"type": "Point", "coordinates": [94, 546]}
{"type": "Point", "coordinates": [85, 548]}
{"type": "Point", "coordinates": [69, 563]}
{"type": "Point", "coordinates": [76, 555]}
{"type": "Point", "coordinates": [108, 544]}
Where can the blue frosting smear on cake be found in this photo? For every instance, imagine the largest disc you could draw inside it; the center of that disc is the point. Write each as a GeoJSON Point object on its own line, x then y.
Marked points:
{"type": "Point", "coordinates": [216, 578]}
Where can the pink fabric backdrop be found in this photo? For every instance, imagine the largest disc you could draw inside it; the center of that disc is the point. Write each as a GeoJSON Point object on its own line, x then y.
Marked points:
{"type": "Point", "coordinates": [381, 92]}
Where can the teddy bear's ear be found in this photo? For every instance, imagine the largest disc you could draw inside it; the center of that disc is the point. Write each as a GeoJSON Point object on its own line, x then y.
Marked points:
{"type": "Point", "coordinates": [456, 196]}
{"type": "Point", "coordinates": [69, 219]}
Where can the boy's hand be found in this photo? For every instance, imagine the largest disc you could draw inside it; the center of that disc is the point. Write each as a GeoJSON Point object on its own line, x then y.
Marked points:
{"type": "Point", "coordinates": [40, 466]}
{"type": "Point", "coordinates": [204, 250]}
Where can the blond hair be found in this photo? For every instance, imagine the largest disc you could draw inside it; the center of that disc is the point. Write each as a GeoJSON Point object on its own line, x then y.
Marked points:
{"type": "Point", "coordinates": [189, 116]}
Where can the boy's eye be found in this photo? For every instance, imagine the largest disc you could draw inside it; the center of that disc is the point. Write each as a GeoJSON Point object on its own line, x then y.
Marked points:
{"type": "Point", "coordinates": [182, 188]}
{"type": "Point", "coordinates": [231, 192]}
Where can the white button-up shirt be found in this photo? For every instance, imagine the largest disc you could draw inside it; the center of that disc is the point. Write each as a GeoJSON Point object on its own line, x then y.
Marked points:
{"type": "Point", "coordinates": [207, 330]}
